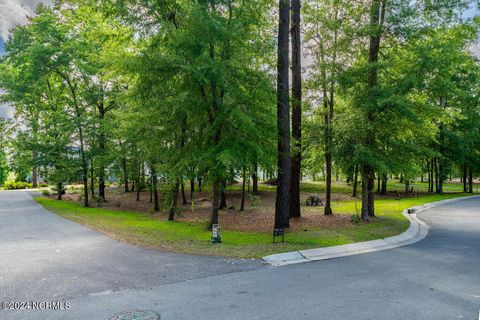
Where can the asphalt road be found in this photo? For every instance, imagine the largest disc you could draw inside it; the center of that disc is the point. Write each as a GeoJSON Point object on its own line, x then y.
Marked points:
{"type": "Point", "coordinates": [44, 257]}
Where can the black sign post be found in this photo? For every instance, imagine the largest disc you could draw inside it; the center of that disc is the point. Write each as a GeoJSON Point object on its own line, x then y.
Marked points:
{"type": "Point", "coordinates": [277, 232]}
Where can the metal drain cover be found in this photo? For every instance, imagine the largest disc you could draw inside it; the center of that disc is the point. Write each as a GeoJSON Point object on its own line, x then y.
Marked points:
{"type": "Point", "coordinates": [136, 315]}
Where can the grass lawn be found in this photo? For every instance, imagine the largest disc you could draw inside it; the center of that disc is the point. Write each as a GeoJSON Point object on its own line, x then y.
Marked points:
{"type": "Point", "coordinates": [193, 237]}
{"type": "Point", "coordinates": [423, 186]}
{"type": "Point", "coordinates": [341, 187]}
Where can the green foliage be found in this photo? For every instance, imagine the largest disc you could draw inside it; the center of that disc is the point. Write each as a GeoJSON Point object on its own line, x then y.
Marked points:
{"type": "Point", "coordinates": [178, 90]}
{"type": "Point", "coordinates": [355, 218]}
{"type": "Point", "coordinates": [98, 201]}
{"type": "Point", "coordinates": [14, 185]}
{"type": "Point", "coordinates": [254, 200]}
{"type": "Point", "coordinates": [3, 168]}
{"type": "Point", "coordinates": [4, 132]}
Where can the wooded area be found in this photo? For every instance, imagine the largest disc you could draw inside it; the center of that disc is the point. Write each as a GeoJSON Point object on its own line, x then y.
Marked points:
{"type": "Point", "coordinates": [184, 95]}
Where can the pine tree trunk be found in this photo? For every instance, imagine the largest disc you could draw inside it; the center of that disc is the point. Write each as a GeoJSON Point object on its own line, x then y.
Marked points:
{"type": "Point", "coordinates": [83, 156]}
{"type": "Point", "coordinates": [377, 15]}
{"type": "Point", "coordinates": [384, 184]}
{"type": "Point", "coordinates": [328, 190]}
{"type": "Point", "coordinates": [441, 177]}
{"type": "Point", "coordinates": [156, 205]}
{"type": "Point", "coordinates": [432, 174]}
{"type": "Point", "coordinates": [35, 127]}
{"type": "Point", "coordinates": [173, 205]}
{"type": "Point", "coordinates": [34, 169]}
{"type": "Point", "coordinates": [139, 185]}
{"type": "Point", "coordinates": [365, 200]}
{"type": "Point", "coordinates": [296, 161]}
{"type": "Point", "coordinates": [470, 180]}
{"type": "Point", "coordinates": [138, 189]}
{"type": "Point", "coordinates": [102, 143]}
{"type": "Point", "coordinates": [184, 198]}
{"type": "Point", "coordinates": [142, 176]}
{"type": "Point", "coordinates": [328, 117]}
{"type": "Point", "coordinates": [192, 189]}
{"type": "Point", "coordinates": [255, 179]}
{"type": "Point", "coordinates": [215, 202]}
{"type": "Point", "coordinates": [92, 180]}
{"type": "Point", "coordinates": [151, 187]}
{"type": "Point", "coordinates": [101, 180]}
{"type": "Point", "coordinates": [242, 205]}
{"type": "Point", "coordinates": [464, 178]}
{"type": "Point", "coordinates": [86, 202]}
{"type": "Point", "coordinates": [282, 200]}
{"type": "Point", "coordinates": [355, 182]}
{"type": "Point", "coordinates": [59, 190]}
{"type": "Point", "coordinates": [371, 194]}
{"type": "Point", "coordinates": [125, 174]}
{"type": "Point", "coordinates": [223, 195]}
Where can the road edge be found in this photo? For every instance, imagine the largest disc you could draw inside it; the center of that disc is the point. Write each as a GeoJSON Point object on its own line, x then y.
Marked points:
{"type": "Point", "coordinates": [417, 231]}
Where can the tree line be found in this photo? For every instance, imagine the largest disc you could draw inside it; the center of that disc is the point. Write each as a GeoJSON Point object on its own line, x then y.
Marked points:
{"type": "Point", "coordinates": [171, 93]}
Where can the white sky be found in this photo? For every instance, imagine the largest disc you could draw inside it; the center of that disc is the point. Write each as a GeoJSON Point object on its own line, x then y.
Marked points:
{"type": "Point", "coordinates": [14, 12]}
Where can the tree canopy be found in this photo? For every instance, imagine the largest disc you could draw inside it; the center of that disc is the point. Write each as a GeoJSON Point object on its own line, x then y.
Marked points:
{"type": "Point", "coordinates": [150, 93]}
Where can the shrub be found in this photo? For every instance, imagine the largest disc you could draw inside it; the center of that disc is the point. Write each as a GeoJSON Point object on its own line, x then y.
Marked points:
{"type": "Point", "coordinates": [355, 218]}
{"type": "Point", "coordinates": [313, 200]}
{"type": "Point", "coordinates": [14, 185]}
{"type": "Point", "coordinates": [254, 200]}
{"type": "Point", "coordinates": [98, 201]}
{"type": "Point", "coordinates": [46, 192]}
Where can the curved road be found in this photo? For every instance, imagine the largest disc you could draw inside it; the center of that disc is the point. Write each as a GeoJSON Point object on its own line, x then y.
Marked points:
{"type": "Point", "coordinates": [44, 257]}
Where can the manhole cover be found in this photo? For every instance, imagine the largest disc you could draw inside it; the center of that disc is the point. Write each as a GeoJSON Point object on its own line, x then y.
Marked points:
{"type": "Point", "coordinates": [136, 315]}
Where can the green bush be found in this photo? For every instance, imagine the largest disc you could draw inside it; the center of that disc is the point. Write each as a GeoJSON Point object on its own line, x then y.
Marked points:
{"type": "Point", "coordinates": [43, 185]}
{"type": "Point", "coordinates": [46, 192]}
{"type": "Point", "coordinates": [254, 200]}
{"type": "Point", "coordinates": [14, 185]}
{"type": "Point", "coordinates": [98, 201]}
{"type": "Point", "coordinates": [355, 218]}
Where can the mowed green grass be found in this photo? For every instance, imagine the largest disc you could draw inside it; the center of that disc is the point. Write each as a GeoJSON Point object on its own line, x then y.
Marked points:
{"type": "Point", "coordinates": [423, 186]}
{"type": "Point", "coordinates": [341, 187]}
{"type": "Point", "coordinates": [144, 230]}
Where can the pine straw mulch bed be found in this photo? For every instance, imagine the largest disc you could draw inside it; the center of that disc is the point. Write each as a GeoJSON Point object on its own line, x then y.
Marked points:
{"type": "Point", "coordinates": [257, 217]}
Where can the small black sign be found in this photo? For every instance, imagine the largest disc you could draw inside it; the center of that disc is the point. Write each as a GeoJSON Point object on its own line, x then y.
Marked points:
{"type": "Point", "coordinates": [278, 232]}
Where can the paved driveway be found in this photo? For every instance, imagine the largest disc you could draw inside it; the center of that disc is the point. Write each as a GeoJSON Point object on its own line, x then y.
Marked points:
{"type": "Point", "coordinates": [437, 278]}
{"type": "Point", "coordinates": [43, 256]}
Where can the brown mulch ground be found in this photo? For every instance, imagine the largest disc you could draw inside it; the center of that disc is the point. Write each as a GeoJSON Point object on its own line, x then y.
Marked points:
{"type": "Point", "coordinates": [257, 217]}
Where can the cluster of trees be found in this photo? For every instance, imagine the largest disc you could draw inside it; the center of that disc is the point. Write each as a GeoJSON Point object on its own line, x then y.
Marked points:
{"type": "Point", "coordinates": [392, 90]}
{"type": "Point", "coordinates": [171, 91]}
{"type": "Point", "coordinates": [140, 91]}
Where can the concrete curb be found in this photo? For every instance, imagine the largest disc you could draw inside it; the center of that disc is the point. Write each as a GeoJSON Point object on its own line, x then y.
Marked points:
{"type": "Point", "coordinates": [415, 232]}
